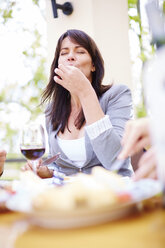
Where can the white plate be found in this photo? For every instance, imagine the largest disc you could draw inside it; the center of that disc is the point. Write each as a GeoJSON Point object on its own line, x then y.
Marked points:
{"type": "Point", "coordinates": [142, 190]}
{"type": "Point", "coordinates": [86, 217]}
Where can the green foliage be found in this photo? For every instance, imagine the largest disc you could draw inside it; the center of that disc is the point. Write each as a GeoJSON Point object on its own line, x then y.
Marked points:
{"type": "Point", "coordinates": [164, 7]}
{"type": "Point", "coordinates": [132, 3]}
{"type": "Point", "coordinates": [36, 2]}
{"type": "Point", "coordinates": [31, 51]}
{"type": "Point", "coordinates": [145, 53]}
{"type": "Point", "coordinates": [143, 56]}
{"type": "Point", "coordinates": [25, 96]}
{"type": "Point", "coordinates": [6, 10]}
{"type": "Point", "coordinates": [135, 18]}
{"type": "Point", "coordinates": [141, 110]}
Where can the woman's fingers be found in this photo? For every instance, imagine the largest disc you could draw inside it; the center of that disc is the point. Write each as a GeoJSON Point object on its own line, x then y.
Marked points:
{"type": "Point", "coordinates": [59, 72]}
{"type": "Point", "coordinates": [44, 172]}
{"type": "Point", "coordinates": [40, 161]}
{"type": "Point", "coordinates": [58, 80]}
{"type": "Point", "coordinates": [27, 166]}
{"type": "Point", "coordinates": [64, 68]}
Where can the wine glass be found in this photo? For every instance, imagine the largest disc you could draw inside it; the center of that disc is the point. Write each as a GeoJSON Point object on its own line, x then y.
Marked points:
{"type": "Point", "coordinates": [32, 143]}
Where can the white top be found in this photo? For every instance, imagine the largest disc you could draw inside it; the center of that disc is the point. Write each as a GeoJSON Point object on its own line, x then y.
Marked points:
{"type": "Point", "coordinates": [74, 150]}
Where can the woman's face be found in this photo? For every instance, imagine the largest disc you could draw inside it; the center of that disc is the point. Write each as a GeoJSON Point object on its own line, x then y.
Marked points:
{"type": "Point", "coordinates": [75, 55]}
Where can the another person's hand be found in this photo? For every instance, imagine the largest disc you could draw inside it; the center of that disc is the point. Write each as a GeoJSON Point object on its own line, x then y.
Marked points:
{"type": "Point", "coordinates": [42, 171]}
{"type": "Point", "coordinates": [136, 137]}
{"type": "Point", "coordinates": [146, 166]}
{"type": "Point", "coordinates": [2, 160]}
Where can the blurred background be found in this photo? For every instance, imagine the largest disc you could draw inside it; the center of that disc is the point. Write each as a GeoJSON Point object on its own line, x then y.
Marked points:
{"type": "Point", "coordinates": [28, 37]}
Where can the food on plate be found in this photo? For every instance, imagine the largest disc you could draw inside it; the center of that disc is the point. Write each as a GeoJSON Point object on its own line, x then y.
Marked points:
{"type": "Point", "coordinates": [96, 190]}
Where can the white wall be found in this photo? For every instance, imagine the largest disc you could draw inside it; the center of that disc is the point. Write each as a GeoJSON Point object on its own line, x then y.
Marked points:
{"type": "Point", "coordinates": [104, 20]}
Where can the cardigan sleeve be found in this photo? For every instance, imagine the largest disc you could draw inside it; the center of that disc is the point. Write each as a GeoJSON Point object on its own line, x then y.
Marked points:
{"type": "Point", "coordinates": [117, 105]}
{"type": "Point", "coordinates": [98, 127]}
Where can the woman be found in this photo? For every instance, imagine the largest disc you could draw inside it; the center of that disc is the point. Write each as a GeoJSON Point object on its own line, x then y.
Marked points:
{"type": "Point", "coordinates": [84, 119]}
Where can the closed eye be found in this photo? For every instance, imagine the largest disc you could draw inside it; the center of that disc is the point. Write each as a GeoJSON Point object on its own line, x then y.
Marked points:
{"type": "Point", "coordinates": [81, 51]}
{"type": "Point", "coordinates": [63, 53]}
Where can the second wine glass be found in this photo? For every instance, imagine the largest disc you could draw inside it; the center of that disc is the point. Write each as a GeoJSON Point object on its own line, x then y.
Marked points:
{"type": "Point", "coordinates": [32, 144]}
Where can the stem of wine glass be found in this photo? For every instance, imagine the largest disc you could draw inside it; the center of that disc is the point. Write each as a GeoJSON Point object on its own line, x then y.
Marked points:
{"type": "Point", "coordinates": [34, 165]}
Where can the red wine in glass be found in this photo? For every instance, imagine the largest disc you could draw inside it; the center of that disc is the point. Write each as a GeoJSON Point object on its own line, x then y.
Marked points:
{"type": "Point", "coordinates": [32, 143]}
{"type": "Point", "coordinates": [33, 153]}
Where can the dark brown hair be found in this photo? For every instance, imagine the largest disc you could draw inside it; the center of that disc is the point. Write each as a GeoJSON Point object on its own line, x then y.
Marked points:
{"type": "Point", "coordinates": [60, 108]}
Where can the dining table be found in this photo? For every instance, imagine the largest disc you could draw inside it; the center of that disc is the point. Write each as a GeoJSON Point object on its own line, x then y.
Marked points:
{"type": "Point", "coordinates": [145, 228]}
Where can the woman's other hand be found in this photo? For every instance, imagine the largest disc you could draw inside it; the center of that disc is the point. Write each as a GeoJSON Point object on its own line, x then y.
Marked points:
{"type": "Point", "coordinates": [42, 171]}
